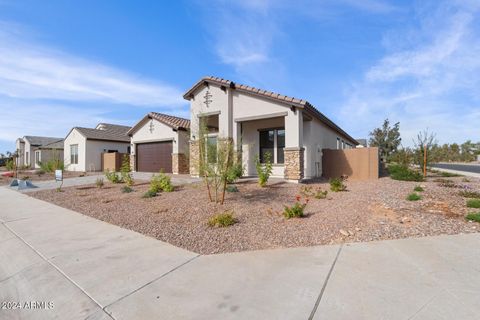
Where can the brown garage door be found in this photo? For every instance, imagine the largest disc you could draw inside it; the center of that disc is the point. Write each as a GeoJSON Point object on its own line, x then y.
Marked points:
{"type": "Point", "coordinates": [152, 157]}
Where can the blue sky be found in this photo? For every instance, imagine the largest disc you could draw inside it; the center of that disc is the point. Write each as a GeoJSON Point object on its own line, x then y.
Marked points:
{"type": "Point", "coordinates": [77, 63]}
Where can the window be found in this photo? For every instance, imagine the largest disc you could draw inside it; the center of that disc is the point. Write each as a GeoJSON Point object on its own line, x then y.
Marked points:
{"type": "Point", "coordinates": [273, 142]}
{"type": "Point", "coordinates": [212, 149]}
{"type": "Point", "coordinates": [338, 143]}
{"type": "Point", "coordinates": [27, 160]}
{"type": "Point", "coordinates": [343, 144]}
{"type": "Point", "coordinates": [74, 154]}
{"type": "Point", "coordinates": [37, 157]}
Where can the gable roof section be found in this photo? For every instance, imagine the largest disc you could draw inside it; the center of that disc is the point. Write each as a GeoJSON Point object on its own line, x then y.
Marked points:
{"type": "Point", "coordinates": [54, 145]}
{"type": "Point", "coordinates": [290, 101]}
{"type": "Point", "coordinates": [173, 122]}
{"type": "Point", "coordinates": [109, 132]}
{"type": "Point", "coordinates": [40, 141]}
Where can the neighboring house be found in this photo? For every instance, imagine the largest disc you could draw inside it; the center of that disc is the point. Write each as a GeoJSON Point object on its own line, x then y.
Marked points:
{"type": "Point", "coordinates": [48, 152]}
{"type": "Point", "coordinates": [83, 147]}
{"type": "Point", "coordinates": [362, 143]}
{"type": "Point", "coordinates": [160, 142]}
{"type": "Point", "coordinates": [260, 121]}
{"type": "Point", "coordinates": [27, 145]}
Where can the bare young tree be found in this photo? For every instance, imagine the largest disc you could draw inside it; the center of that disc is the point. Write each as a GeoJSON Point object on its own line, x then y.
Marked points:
{"type": "Point", "coordinates": [423, 144]}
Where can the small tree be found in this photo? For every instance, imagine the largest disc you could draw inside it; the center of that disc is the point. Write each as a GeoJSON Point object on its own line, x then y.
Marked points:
{"type": "Point", "coordinates": [423, 144]}
{"type": "Point", "coordinates": [215, 163]}
{"type": "Point", "coordinates": [386, 138]}
{"type": "Point", "coordinates": [125, 171]}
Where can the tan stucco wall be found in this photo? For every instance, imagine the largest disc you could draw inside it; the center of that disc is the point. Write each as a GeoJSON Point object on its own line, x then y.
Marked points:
{"type": "Point", "coordinates": [356, 164]}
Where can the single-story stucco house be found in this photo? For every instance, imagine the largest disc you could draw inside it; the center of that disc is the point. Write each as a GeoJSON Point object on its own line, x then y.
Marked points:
{"type": "Point", "coordinates": [83, 147]}
{"type": "Point", "coordinates": [160, 142]}
{"type": "Point", "coordinates": [34, 149]}
{"type": "Point", "coordinates": [292, 130]}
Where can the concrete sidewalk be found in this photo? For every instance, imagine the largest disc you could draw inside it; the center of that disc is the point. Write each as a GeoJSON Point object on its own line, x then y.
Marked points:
{"type": "Point", "coordinates": [90, 269]}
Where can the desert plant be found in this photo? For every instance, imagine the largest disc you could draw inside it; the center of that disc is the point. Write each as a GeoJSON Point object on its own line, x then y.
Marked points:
{"type": "Point", "coordinates": [297, 209]}
{"type": "Point", "coordinates": [337, 185]}
{"type": "Point", "coordinates": [320, 194]}
{"type": "Point", "coordinates": [149, 194]}
{"type": "Point", "coordinates": [125, 171]}
{"type": "Point", "coordinates": [418, 189]}
{"type": "Point", "coordinates": [308, 191]}
{"type": "Point", "coordinates": [234, 172]}
{"type": "Point", "coordinates": [473, 203]}
{"type": "Point", "coordinates": [447, 183]}
{"type": "Point", "coordinates": [99, 183]}
{"type": "Point", "coordinates": [10, 165]}
{"type": "Point", "coordinates": [473, 216]}
{"type": "Point", "coordinates": [161, 182]}
{"type": "Point", "coordinates": [413, 197]}
{"type": "Point", "coordinates": [113, 177]}
{"type": "Point", "coordinates": [128, 179]}
{"type": "Point", "coordinates": [232, 188]}
{"type": "Point", "coordinates": [403, 173]}
{"type": "Point", "coordinates": [51, 165]}
{"type": "Point", "coordinates": [126, 189]}
{"type": "Point", "coordinates": [469, 194]}
{"type": "Point", "coordinates": [222, 219]}
{"type": "Point", "coordinates": [264, 170]}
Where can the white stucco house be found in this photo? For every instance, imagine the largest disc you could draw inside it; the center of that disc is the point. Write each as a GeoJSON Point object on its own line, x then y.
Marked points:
{"type": "Point", "coordinates": [292, 130]}
{"type": "Point", "coordinates": [34, 149]}
{"type": "Point", "coordinates": [83, 147]}
{"type": "Point", "coordinates": [160, 142]}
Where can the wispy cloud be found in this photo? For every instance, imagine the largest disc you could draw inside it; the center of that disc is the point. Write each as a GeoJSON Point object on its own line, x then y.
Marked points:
{"type": "Point", "coordinates": [431, 80]}
{"type": "Point", "coordinates": [29, 70]}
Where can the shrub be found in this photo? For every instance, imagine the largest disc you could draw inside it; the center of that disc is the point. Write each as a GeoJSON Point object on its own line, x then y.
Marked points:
{"type": "Point", "coordinates": [449, 174]}
{"type": "Point", "coordinates": [337, 185]}
{"type": "Point", "coordinates": [413, 197]}
{"type": "Point", "coordinates": [264, 170]}
{"type": "Point", "coordinates": [321, 194]}
{"type": "Point", "coordinates": [418, 189]}
{"type": "Point", "coordinates": [232, 188]}
{"type": "Point", "coordinates": [473, 216]}
{"type": "Point", "coordinates": [222, 220]}
{"type": "Point", "coordinates": [126, 189]}
{"type": "Point", "coordinates": [161, 182]}
{"type": "Point", "coordinates": [10, 165]}
{"type": "Point", "coordinates": [149, 194]}
{"type": "Point", "coordinates": [473, 203]}
{"type": "Point", "coordinates": [113, 177]}
{"type": "Point", "coordinates": [403, 173]}
{"type": "Point", "coordinates": [469, 194]}
{"type": "Point", "coordinates": [52, 165]}
{"type": "Point", "coordinates": [129, 181]}
{"type": "Point", "coordinates": [234, 172]}
{"type": "Point", "coordinates": [125, 171]}
{"type": "Point", "coordinates": [446, 183]}
{"type": "Point", "coordinates": [308, 191]}
{"type": "Point", "coordinates": [297, 210]}
{"type": "Point", "coordinates": [99, 183]}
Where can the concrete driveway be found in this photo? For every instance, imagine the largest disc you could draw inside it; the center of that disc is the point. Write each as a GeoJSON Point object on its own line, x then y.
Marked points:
{"type": "Point", "coordinates": [76, 267]}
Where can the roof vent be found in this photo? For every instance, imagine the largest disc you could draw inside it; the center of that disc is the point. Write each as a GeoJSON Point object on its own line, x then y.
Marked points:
{"type": "Point", "coordinates": [101, 126]}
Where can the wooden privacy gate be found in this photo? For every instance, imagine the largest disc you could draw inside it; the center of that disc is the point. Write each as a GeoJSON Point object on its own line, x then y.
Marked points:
{"type": "Point", "coordinates": [356, 164]}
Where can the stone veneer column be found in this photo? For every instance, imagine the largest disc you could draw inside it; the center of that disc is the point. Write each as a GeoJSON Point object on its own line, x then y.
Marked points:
{"type": "Point", "coordinates": [194, 158]}
{"type": "Point", "coordinates": [180, 163]}
{"type": "Point", "coordinates": [132, 162]}
{"type": "Point", "coordinates": [294, 163]}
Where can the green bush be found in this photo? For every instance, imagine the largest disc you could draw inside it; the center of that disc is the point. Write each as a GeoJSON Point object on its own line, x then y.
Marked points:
{"type": "Point", "coordinates": [308, 191]}
{"type": "Point", "coordinates": [473, 216]}
{"type": "Point", "coordinates": [99, 183]}
{"type": "Point", "coordinates": [125, 171]}
{"type": "Point", "coordinates": [418, 189]}
{"type": "Point", "coordinates": [321, 194]}
{"type": "Point", "coordinates": [264, 170]}
{"type": "Point", "coordinates": [113, 177]}
{"type": "Point", "coordinates": [234, 172]}
{"type": "Point", "coordinates": [469, 194]}
{"type": "Point", "coordinates": [413, 197]}
{"type": "Point", "coordinates": [403, 173]}
{"type": "Point", "coordinates": [52, 165]}
{"type": "Point", "coordinates": [126, 189]}
{"type": "Point", "coordinates": [337, 185]}
{"type": "Point", "coordinates": [295, 211]}
{"type": "Point", "coordinates": [222, 220]}
{"type": "Point", "coordinates": [473, 203]}
{"type": "Point", "coordinates": [10, 164]}
{"type": "Point", "coordinates": [161, 182]}
{"type": "Point", "coordinates": [149, 194]}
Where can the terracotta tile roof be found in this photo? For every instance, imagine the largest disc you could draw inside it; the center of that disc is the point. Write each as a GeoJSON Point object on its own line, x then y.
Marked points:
{"type": "Point", "coordinates": [107, 132]}
{"type": "Point", "coordinates": [301, 103]}
{"type": "Point", "coordinates": [171, 121]}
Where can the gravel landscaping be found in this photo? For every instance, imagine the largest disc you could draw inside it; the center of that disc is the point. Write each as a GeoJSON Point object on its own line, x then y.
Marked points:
{"type": "Point", "coordinates": [368, 210]}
